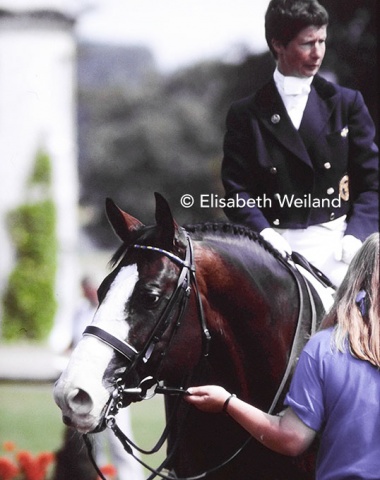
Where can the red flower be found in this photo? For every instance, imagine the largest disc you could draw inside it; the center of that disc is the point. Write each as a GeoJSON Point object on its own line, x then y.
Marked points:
{"type": "Point", "coordinates": [30, 466]}
{"type": "Point", "coordinates": [25, 466]}
{"type": "Point", "coordinates": [9, 446]}
{"type": "Point", "coordinates": [108, 471]}
{"type": "Point", "coordinates": [7, 469]}
{"type": "Point", "coordinates": [44, 459]}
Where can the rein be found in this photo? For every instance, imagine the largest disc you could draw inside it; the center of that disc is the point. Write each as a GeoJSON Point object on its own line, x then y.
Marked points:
{"type": "Point", "coordinates": [181, 294]}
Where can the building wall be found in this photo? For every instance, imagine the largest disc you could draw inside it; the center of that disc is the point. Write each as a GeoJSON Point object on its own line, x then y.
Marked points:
{"type": "Point", "coordinates": [38, 111]}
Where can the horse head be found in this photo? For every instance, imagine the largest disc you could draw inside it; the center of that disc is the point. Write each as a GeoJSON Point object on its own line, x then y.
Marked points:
{"type": "Point", "coordinates": [135, 333]}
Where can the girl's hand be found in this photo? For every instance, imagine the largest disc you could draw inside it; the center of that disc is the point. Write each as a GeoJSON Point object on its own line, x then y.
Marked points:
{"type": "Point", "coordinates": [209, 398]}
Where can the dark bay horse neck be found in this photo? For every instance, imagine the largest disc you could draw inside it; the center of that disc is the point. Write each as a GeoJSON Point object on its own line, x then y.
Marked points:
{"type": "Point", "coordinates": [252, 305]}
{"type": "Point", "coordinates": [246, 292]}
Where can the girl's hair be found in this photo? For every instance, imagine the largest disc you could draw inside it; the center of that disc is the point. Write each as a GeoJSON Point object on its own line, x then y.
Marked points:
{"type": "Point", "coordinates": [359, 324]}
{"type": "Point", "coordinates": [284, 19]}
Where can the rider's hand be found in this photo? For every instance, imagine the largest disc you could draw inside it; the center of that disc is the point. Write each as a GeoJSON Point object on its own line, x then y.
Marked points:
{"type": "Point", "coordinates": [347, 249]}
{"type": "Point", "coordinates": [277, 241]}
{"type": "Point", "coordinates": [209, 398]}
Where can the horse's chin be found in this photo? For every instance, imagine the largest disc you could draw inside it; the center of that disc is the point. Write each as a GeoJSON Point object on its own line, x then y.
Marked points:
{"type": "Point", "coordinates": [84, 424]}
{"type": "Point", "coordinates": [100, 427]}
{"type": "Point", "coordinates": [88, 427]}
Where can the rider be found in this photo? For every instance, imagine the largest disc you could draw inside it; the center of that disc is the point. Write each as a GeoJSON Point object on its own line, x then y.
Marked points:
{"type": "Point", "coordinates": [303, 149]}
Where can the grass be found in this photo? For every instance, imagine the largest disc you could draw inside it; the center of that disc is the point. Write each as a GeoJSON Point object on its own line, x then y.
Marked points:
{"type": "Point", "coordinates": [30, 418]}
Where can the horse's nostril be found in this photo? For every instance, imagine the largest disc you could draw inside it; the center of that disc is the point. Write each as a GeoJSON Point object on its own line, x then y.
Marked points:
{"type": "Point", "coordinates": [66, 420]}
{"type": "Point", "coordinates": [80, 401]}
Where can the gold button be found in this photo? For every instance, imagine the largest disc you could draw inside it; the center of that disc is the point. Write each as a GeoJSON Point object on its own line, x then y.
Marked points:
{"type": "Point", "coordinates": [330, 191]}
{"type": "Point", "coordinates": [273, 170]}
{"type": "Point", "coordinates": [327, 165]}
{"type": "Point", "coordinates": [275, 118]}
{"type": "Point", "coordinates": [276, 222]}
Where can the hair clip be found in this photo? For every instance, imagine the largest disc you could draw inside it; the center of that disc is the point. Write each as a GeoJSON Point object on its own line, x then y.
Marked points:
{"type": "Point", "coordinates": [361, 303]}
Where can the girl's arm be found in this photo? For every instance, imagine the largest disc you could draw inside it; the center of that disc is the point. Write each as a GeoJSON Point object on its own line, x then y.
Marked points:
{"type": "Point", "coordinates": [285, 433]}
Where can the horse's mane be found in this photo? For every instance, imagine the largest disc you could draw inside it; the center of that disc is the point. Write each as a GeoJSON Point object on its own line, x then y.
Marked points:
{"type": "Point", "coordinates": [232, 230]}
{"type": "Point", "coordinates": [225, 230]}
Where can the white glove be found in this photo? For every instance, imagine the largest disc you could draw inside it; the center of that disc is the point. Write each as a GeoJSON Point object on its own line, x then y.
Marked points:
{"type": "Point", "coordinates": [277, 241]}
{"type": "Point", "coordinates": [347, 249]}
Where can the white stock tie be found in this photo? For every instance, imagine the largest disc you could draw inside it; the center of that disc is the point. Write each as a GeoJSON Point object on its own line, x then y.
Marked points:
{"type": "Point", "coordinates": [296, 86]}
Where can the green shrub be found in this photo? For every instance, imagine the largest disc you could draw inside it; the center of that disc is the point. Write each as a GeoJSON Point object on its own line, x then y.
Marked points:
{"type": "Point", "coordinates": [29, 300]}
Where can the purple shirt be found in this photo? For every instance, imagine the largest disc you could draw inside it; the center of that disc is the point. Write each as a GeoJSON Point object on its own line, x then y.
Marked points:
{"type": "Point", "coordinates": [339, 396]}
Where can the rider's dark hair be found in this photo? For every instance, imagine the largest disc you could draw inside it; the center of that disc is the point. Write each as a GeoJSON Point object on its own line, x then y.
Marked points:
{"type": "Point", "coordinates": [284, 19]}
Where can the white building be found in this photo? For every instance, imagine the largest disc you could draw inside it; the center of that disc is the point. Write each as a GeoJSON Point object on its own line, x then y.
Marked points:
{"type": "Point", "coordinates": [38, 111]}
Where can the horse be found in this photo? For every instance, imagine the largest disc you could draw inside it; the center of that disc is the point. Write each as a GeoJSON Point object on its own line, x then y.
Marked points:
{"type": "Point", "coordinates": [182, 306]}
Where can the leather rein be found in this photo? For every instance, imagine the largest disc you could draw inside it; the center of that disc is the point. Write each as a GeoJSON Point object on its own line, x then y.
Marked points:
{"type": "Point", "coordinates": [149, 386]}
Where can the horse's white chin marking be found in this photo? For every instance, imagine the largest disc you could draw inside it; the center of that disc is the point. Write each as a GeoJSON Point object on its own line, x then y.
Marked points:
{"type": "Point", "coordinates": [80, 392]}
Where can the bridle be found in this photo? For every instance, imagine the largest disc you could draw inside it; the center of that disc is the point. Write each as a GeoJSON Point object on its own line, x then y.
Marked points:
{"type": "Point", "coordinates": [149, 385]}
{"type": "Point", "coordinates": [178, 299]}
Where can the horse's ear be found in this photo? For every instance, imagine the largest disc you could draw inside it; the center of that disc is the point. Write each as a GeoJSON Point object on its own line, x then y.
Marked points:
{"type": "Point", "coordinates": [169, 231]}
{"type": "Point", "coordinates": [123, 223]}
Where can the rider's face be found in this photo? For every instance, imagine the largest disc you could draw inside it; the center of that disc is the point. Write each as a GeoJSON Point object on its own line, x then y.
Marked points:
{"type": "Point", "coordinates": [302, 56]}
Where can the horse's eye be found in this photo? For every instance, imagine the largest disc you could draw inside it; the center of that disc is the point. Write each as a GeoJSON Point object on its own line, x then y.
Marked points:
{"type": "Point", "coordinates": [149, 299]}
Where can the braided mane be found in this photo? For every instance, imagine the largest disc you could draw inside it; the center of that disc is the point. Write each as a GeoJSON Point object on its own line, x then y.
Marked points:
{"type": "Point", "coordinates": [231, 229]}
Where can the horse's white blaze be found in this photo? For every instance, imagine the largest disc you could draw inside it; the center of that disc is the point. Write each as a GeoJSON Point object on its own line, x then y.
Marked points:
{"type": "Point", "coordinates": [91, 357]}
{"type": "Point", "coordinates": [111, 313]}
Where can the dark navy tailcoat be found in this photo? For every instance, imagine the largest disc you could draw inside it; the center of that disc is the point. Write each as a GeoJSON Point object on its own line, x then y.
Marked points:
{"type": "Point", "coordinates": [326, 169]}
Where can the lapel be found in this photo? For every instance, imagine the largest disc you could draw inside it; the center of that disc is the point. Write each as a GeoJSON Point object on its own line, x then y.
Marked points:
{"type": "Point", "coordinates": [267, 103]}
{"type": "Point", "coordinates": [319, 107]}
{"type": "Point", "coordinates": [271, 112]}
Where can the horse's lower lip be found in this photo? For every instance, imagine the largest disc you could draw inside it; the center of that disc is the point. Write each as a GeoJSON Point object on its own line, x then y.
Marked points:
{"type": "Point", "coordinates": [84, 426]}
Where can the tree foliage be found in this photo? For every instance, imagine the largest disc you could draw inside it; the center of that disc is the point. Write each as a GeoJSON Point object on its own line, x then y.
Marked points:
{"type": "Point", "coordinates": [29, 301]}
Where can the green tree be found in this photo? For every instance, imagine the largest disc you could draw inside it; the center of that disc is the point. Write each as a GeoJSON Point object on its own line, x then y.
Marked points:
{"type": "Point", "coordinates": [29, 301]}
{"type": "Point", "coordinates": [152, 140]}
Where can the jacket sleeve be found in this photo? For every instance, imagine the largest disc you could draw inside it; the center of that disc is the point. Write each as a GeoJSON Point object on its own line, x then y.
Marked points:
{"type": "Point", "coordinates": [238, 175]}
{"type": "Point", "coordinates": [363, 171]}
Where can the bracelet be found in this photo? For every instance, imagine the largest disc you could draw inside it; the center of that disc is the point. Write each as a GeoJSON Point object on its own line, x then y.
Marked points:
{"type": "Point", "coordinates": [225, 405]}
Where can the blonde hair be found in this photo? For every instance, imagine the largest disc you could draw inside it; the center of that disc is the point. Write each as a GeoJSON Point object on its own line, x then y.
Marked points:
{"type": "Point", "coordinates": [361, 331]}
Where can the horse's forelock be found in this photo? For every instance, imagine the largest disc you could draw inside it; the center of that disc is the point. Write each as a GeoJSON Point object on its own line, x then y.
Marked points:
{"type": "Point", "coordinates": [150, 236]}
{"type": "Point", "coordinates": [141, 236]}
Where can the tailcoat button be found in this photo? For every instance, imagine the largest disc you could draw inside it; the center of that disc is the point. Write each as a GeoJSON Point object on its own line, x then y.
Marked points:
{"type": "Point", "coordinates": [332, 216]}
{"type": "Point", "coordinates": [275, 118]}
{"type": "Point", "coordinates": [327, 165]}
{"type": "Point", "coordinates": [273, 170]}
{"type": "Point", "coordinates": [330, 191]}
{"type": "Point", "coordinates": [276, 222]}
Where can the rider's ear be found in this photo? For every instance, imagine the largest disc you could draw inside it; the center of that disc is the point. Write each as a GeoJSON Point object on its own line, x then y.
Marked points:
{"type": "Point", "coordinates": [122, 223]}
{"type": "Point", "coordinates": [168, 227]}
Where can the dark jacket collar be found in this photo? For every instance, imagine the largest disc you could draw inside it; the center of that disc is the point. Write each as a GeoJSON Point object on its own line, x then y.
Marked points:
{"type": "Point", "coordinates": [271, 112]}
